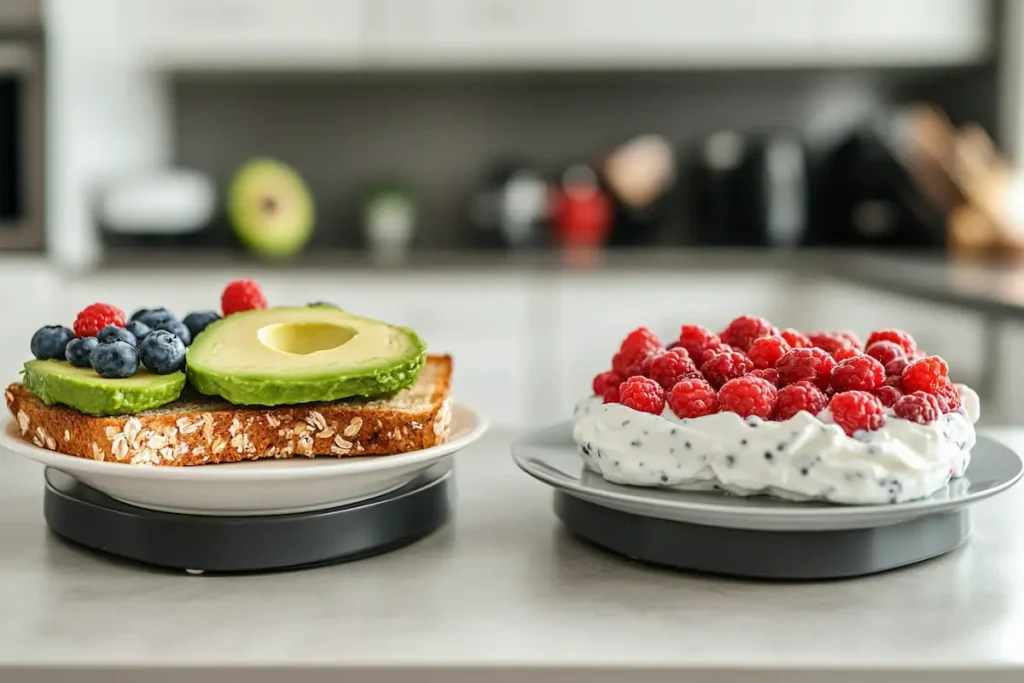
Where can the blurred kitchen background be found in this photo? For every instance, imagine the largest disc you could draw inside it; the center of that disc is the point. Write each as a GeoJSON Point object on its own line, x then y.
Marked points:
{"type": "Point", "coordinates": [523, 181]}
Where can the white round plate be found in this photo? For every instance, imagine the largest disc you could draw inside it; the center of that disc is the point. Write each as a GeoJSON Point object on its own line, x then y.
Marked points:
{"type": "Point", "coordinates": [261, 487]}
{"type": "Point", "coordinates": [550, 456]}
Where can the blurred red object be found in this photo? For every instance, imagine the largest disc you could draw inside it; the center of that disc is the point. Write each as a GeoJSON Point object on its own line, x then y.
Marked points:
{"type": "Point", "coordinates": [581, 215]}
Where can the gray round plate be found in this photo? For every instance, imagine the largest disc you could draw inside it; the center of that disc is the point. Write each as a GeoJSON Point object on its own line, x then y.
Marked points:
{"type": "Point", "coordinates": [549, 455]}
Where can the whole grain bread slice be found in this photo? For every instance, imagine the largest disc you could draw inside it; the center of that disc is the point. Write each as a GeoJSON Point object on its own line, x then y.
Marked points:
{"type": "Point", "coordinates": [200, 430]}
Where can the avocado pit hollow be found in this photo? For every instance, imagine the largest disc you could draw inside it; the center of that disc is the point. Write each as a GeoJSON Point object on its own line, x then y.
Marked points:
{"type": "Point", "coordinates": [304, 338]}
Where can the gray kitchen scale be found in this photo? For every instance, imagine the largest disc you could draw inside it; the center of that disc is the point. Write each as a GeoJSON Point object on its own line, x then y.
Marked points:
{"type": "Point", "coordinates": [197, 544]}
{"type": "Point", "coordinates": [759, 537]}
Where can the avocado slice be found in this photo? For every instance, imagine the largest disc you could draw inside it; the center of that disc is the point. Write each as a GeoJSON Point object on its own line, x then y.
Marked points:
{"type": "Point", "coordinates": [287, 355]}
{"type": "Point", "coordinates": [60, 382]}
{"type": "Point", "coordinates": [270, 208]}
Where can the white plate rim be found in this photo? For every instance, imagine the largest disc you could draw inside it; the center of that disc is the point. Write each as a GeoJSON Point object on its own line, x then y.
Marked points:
{"type": "Point", "coordinates": [478, 423]}
{"type": "Point", "coordinates": [911, 508]}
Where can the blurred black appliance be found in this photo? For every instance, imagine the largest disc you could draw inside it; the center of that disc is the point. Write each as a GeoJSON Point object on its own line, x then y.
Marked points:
{"type": "Point", "coordinates": [21, 125]}
{"type": "Point", "coordinates": [510, 208]}
{"type": "Point", "coordinates": [749, 190]}
{"type": "Point", "coordinates": [640, 176]}
{"type": "Point", "coordinates": [867, 192]}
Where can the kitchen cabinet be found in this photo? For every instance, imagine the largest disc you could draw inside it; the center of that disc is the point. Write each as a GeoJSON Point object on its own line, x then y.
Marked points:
{"type": "Point", "coordinates": [248, 33]}
{"type": "Point", "coordinates": [567, 34]}
{"type": "Point", "coordinates": [586, 33]}
{"type": "Point", "coordinates": [905, 31]}
{"type": "Point", "coordinates": [674, 33]}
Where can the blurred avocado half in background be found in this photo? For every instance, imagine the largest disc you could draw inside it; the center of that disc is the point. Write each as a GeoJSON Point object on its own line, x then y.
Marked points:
{"type": "Point", "coordinates": [270, 208]}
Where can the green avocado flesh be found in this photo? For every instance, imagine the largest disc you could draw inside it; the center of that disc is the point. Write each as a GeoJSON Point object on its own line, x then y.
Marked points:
{"type": "Point", "coordinates": [55, 381]}
{"type": "Point", "coordinates": [270, 208]}
{"type": "Point", "coordinates": [281, 356]}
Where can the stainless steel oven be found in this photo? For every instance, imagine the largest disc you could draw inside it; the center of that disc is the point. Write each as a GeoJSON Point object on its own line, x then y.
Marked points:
{"type": "Point", "coordinates": [22, 125]}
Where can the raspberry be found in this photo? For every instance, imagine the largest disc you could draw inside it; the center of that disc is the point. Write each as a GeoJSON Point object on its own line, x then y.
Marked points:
{"type": "Point", "coordinates": [765, 352]}
{"type": "Point", "coordinates": [669, 367]}
{"type": "Point", "coordinates": [896, 366]}
{"type": "Point", "coordinates": [619, 364]}
{"type": "Point", "coordinates": [898, 337]}
{"type": "Point", "coordinates": [797, 397]}
{"type": "Point", "coordinates": [795, 339]}
{"type": "Point", "coordinates": [894, 381]}
{"type": "Point", "coordinates": [888, 395]}
{"type": "Point", "coordinates": [748, 396]}
{"type": "Point", "coordinates": [94, 318]}
{"type": "Point", "coordinates": [845, 353]}
{"type": "Point", "coordinates": [713, 350]}
{"type": "Point", "coordinates": [885, 351]}
{"type": "Point", "coordinates": [770, 374]}
{"type": "Point", "coordinates": [829, 342]}
{"type": "Point", "coordinates": [925, 375]}
{"type": "Point", "coordinates": [850, 338]}
{"type": "Point", "coordinates": [696, 338]}
{"type": "Point", "coordinates": [724, 367]}
{"type": "Point", "coordinates": [693, 398]}
{"type": "Point", "coordinates": [605, 380]}
{"type": "Point", "coordinates": [860, 373]}
{"type": "Point", "coordinates": [630, 363]}
{"type": "Point", "coordinates": [641, 366]}
{"type": "Point", "coordinates": [857, 410]}
{"type": "Point", "coordinates": [640, 393]}
{"type": "Point", "coordinates": [639, 339]}
{"type": "Point", "coordinates": [241, 295]}
{"type": "Point", "coordinates": [918, 407]}
{"type": "Point", "coordinates": [948, 395]}
{"type": "Point", "coordinates": [611, 395]}
{"type": "Point", "coordinates": [813, 365]}
{"type": "Point", "coordinates": [742, 331]}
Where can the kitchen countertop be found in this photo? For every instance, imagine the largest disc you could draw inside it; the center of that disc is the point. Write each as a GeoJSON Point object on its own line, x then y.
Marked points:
{"type": "Point", "coordinates": [500, 594]}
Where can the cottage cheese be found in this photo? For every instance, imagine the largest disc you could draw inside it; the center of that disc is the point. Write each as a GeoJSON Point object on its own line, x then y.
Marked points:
{"type": "Point", "coordinates": [807, 457]}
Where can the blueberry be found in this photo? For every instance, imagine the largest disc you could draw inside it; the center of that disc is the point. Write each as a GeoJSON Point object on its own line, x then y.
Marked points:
{"type": "Point", "coordinates": [178, 329]}
{"type": "Point", "coordinates": [49, 342]}
{"type": "Point", "coordinates": [198, 321]}
{"type": "Point", "coordinates": [154, 317]}
{"type": "Point", "coordinates": [116, 359]}
{"type": "Point", "coordinates": [139, 329]}
{"type": "Point", "coordinates": [113, 333]}
{"type": "Point", "coordinates": [79, 350]}
{"type": "Point", "coordinates": [162, 353]}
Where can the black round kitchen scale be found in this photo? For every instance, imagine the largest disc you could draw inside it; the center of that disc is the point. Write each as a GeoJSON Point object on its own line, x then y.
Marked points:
{"type": "Point", "coordinates": [199, 544]}
{"type": "Point", "coordinates": [759, 554]}
{"type": "Point", "coordinates": [760, 537]}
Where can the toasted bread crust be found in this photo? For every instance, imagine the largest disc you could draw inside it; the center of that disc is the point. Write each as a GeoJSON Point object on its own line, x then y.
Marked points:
{"type": "Point", "coordinates": [221, 432]}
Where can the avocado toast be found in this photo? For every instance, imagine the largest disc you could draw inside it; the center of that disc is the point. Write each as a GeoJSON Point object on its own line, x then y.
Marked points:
{"type": "Point", "coordinates": [256, 383]}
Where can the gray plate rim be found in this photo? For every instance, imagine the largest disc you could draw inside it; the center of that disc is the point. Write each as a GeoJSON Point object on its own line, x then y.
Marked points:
{"type": "Point", "coordinates": [684, 503]}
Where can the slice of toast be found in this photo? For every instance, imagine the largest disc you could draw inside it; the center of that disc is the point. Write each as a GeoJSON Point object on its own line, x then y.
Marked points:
{"type": "Point", "coordinates": [200, 430]}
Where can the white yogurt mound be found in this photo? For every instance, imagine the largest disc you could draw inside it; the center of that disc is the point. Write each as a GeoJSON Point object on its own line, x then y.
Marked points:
{"type": "Point", "coordinates": [804, 458]}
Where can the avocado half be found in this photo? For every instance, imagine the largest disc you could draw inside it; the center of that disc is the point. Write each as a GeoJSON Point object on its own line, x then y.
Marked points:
{"type": "Point", "coordinates": [59, 382]}
{"type": "Point", "coordinates": [270, 208]}
{"type": "Point", "coordinates": [281, 356]}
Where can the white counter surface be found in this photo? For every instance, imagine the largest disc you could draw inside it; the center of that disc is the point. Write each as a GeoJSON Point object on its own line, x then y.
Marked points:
{"type": "Point", "coordinates": [503, 593]}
